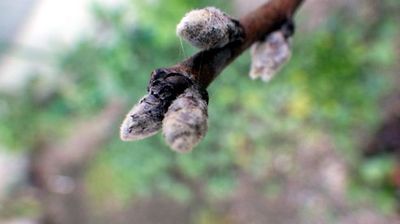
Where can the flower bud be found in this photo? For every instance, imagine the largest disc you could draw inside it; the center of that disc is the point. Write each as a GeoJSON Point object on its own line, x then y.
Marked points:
{"type": "Point", "coordinates": [269, 56]}
{"type": "Point", "coordinates": [143, 120]}
{"type": "Point", "coordinates": [209, 28]}
{"type": "Point", "coordinates": [185, 123]}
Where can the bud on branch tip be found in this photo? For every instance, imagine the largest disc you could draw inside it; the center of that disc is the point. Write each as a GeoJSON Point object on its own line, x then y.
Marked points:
{"type": "Point", "coordinates": [185, 123]}
{"type": "Point", "coordinates": [145, 118]}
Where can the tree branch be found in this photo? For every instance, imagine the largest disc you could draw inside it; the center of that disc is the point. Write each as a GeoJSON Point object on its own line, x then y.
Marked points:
{"type": "Point", "coordinates": [209, 28]}
{"type": "Point", "coordinates": [205, 66]}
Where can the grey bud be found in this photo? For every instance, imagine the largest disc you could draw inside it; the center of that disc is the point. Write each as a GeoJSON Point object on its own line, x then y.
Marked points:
{"type": "Point", "coordinates": [144, 120]}
{"type": "Point", "coordinates": [209, 28]}
{"type": "Point", "coordinates": [185, 123]}
{"type": "Point", "coordinates": [269, 56]}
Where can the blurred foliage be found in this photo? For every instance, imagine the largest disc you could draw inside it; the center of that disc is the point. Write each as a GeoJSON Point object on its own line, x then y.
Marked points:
{"type": "Point", "coordinates": [332, 84]}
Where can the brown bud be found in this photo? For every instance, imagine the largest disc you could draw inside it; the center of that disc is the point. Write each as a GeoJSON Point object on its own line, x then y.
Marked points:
{"type": "Point", "coordinates": [269, 56]}
{"type": "Point", "coordinates": [209, 28]}
{"type": "Point", "coordinates": [185, 123]}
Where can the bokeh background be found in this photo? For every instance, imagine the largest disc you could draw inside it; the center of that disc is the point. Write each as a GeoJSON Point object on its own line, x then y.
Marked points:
{"type": "Point", "coordinates": [320, 143]}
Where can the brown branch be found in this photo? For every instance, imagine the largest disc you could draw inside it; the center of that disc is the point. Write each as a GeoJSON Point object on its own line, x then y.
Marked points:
{"type": "Point", "coordinates": [198, 71]}
{"type": "Point", "coordinates": [57, 169]}
{"type": "Point", "coordinates": [205, 66]}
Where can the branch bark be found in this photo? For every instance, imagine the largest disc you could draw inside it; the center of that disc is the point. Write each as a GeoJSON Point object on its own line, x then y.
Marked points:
{"type": "Point", "coordinates": [206, 65]}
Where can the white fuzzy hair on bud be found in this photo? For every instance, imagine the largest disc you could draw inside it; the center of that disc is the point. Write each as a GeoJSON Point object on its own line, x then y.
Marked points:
{"type": "Point", "coordinates": [185, 123]}
{"type": "Point", "coordinates": [269, 56]}
{"type": "Point", "coordinates": [208, 28]}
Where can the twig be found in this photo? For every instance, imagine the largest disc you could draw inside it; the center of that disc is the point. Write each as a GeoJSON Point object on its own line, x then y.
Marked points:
{"type": "Point", "coordinates": [223, 39]}
{"type": "Point", "coordinates": [205, 66]}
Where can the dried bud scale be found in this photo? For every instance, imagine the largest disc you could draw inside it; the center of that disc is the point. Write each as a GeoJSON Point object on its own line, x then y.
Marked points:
{"type": "Point", "coordinates": [145, 118]}
{"type": "Point", "coordinates": [209, 28]}
{"type": "Point", "coordinates": [185, 123]}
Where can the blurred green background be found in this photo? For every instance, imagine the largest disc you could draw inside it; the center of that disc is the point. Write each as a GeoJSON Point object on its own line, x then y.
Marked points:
{"type": "Point", "coordinates": [289, 151]}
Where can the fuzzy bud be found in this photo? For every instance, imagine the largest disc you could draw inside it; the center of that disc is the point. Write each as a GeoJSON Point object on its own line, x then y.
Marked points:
{"type": "Point", "coordinates": [142, 121]}
{"type": "Point", "coordinates": [209, 28]}
{"type": "Point", "coordinates": [185, 123]}
{"type": "Point", "coordinates": [145, 118]}
{"type": "Point", "coordinates": [269, 56]}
